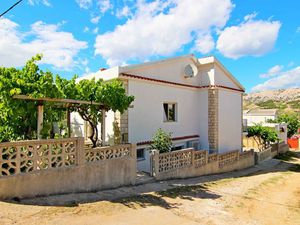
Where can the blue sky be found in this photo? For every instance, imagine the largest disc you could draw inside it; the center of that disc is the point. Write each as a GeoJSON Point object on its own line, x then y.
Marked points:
{"type": "Point", "coordinates": [257, 40]}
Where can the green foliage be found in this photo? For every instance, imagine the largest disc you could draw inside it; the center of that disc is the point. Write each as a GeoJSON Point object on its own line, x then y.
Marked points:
{"type": "Point", "coordinates": [18, 118]}
{"type": "Point", "coordinates": [161, 141]}
{"type": "Point", "coordinates": [294, 104]}
{"type": "Point", "coordinates": [292, 120]}
{"type": "Point", "coordinates": [111, 95]}
{"type": "Point", "coordinates": [270, 104]}
{"type": "Point", "coordinates": [262, 135]}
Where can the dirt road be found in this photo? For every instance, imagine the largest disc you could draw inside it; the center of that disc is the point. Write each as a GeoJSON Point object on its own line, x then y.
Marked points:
{"type": "Point", "coordinates": [266, 195]}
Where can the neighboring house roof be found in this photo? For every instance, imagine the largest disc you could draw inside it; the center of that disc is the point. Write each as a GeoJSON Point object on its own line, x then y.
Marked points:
{"type": "Point", "coordinates": [261, 112]}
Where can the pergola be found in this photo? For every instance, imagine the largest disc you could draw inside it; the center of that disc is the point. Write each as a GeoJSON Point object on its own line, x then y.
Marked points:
{"type": "Point", "coordinates": [64, 103]}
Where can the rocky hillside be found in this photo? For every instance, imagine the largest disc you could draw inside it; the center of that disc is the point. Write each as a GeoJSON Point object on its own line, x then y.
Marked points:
{"type": "Point", "coordinates": [292, 94]}
{"type": "Point", "coordinates": [283, 99]}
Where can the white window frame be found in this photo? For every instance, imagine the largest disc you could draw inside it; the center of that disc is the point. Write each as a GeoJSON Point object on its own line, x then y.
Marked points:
{"type": "Point", "coordinates": [166, 117]}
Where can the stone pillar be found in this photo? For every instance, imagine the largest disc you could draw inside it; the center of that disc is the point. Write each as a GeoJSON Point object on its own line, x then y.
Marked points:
{"type": "Point", "coordinates": [213, 120]}
{"type": "Point", "coordinates": [40, 119]}
{"type": "Point", "coordinates": [103, 127]}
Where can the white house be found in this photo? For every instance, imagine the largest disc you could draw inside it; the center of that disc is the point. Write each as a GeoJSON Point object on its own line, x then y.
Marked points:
{"type": "Point", "coordinates": [197, 100]}
{"type": "Point", "coordinates": [261, 116]}
{"type": "Point", "coordinates": [253, 116]}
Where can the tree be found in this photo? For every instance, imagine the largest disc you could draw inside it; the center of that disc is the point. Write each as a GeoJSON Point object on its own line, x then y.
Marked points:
{"type": "Point", "coordinates": [111, 95]}
{"type": "Point", "coordinates": [161, 141]}
{"type": "Point", "coordinates": [291, 119]}
{"type": "Point", "coordinates": [18, 118]}
{"type": "Point", "coordinates": [263, 136]}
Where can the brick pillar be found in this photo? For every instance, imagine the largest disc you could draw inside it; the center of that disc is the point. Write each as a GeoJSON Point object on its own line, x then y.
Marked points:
{"type": "Point", "coordinates": [213, 121]}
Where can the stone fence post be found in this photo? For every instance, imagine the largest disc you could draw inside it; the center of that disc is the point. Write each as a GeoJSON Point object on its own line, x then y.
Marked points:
{"type": "Point", "coordinates": [154, 165]}
{"type": "Point", "coordinates": [80, 151]}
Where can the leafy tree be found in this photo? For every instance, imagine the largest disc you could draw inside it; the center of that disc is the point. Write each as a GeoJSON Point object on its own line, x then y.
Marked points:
{"type": "Point", "coordinates": [162, 141]}
{"type": "Point", "coordinates": [291, 119]}
{"type": "Point", "coordinates": [111, 95]}
{"type": "Point", "coordinates": [263, 136]}
{"type": "Point", "coordinates": [18, 118]}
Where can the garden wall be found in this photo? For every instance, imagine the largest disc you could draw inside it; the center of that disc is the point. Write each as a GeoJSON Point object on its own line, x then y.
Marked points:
{"type": "Point", "coordinates": [191, 163]}
{"type": "Point", "coordinates": [271, 152]}
{"type": "Point", "coordinates": [46, 167]}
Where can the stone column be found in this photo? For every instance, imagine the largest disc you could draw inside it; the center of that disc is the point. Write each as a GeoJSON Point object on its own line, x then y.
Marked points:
{"type": "Point", "coordinates": [40, 119]}
{"type": "Point", "coordinates": [213, 120]}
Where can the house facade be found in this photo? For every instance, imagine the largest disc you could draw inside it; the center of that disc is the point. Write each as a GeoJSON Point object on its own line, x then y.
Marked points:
{"type": "Point", "coordinates": [254, 116]}
{"type": "Point", "coordinates": [197, 100]}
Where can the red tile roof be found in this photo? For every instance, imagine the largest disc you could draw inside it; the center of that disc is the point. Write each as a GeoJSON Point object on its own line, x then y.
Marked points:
{"type": "Point", "coordinates": [178, 84]}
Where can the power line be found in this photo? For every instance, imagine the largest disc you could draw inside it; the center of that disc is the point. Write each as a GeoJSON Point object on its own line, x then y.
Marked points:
{"type": "Point", "coordinates": [10, 8]}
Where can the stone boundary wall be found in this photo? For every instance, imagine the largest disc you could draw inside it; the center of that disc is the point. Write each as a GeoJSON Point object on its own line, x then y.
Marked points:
{"type": "Point", "coordinates": [191, 163]}
{"type": "Point", "coordinates": [46, 167]}
{"type": "Point", "coordinates": [271, 152]}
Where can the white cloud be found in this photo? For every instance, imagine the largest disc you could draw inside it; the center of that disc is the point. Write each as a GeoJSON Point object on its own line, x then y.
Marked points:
{"type": "Point", "coordinates": [250, 16]}
{"type": "Point", "coordinates": [254, 38]}
{"type": "Point", "coordinates": [59, 48]}
{"type": "Point", "coordinates": [104, 5]}
{"type": "Point", "coordinates": [95, 19]}
{"type": "Point", "coordinates": [287, 79]}
{"type": "Point", "coordinates": [84, 4]}
{"type": "Point", "coordinates": [161, 27]}
{"type": "Point", "coordinates": [274, 71]}
{"type": "Point", "coordinates": [124, 12]}
{"type": "Point", "coordinates": [36, 2]}
{"type": "Point", "coordinates": [204, 43]}
{"type": "Point", "coordinates": [96, 30]}
{"type": "Point", "coordinates": [86, 29]}
{"type": "Point", "coordinates": [298, 30]}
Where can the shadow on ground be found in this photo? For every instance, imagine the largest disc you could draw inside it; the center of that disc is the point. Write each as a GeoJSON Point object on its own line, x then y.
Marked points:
{"type": "Point", "coordinates": [153, 194]}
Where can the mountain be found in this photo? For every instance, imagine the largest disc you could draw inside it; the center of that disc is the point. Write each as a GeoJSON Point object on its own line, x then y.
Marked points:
{"type": "Point", "coordinates": [283, 99]}
{"type": "Point", "coordinates": [291, 94]}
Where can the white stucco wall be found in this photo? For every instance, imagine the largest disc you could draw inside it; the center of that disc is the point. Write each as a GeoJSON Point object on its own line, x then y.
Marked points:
{"type": "Point", "coordinates": [203, 119]}
{"type": "Point", "coordinates": [230, 121]}
{"type": "Point", "coordinates": [222, 79]}
{"type": "Point", "coordinates": [172, 70]}
{"type": "Point", "coordinates": [147, 113]}
{"type": "Point", "coordinates": [252, 119]}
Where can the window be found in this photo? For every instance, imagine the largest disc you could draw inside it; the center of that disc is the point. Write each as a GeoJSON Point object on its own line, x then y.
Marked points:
{"type": "Point", "coordinates": [176, 148]}
{"type": "Point", "coordinates": [140, 154]}
{"type": "Point", "coordinates": [170, 113]}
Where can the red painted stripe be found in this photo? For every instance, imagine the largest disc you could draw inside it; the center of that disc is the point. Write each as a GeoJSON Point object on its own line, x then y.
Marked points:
{"type": "Point", "coordinates": [178, 84]}
{"type": "Point", "coordinates": [173, 139]}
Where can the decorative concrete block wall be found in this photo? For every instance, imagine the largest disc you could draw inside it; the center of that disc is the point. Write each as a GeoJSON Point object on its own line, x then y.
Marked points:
{"type": "Point", "coordinates": [46, 167]}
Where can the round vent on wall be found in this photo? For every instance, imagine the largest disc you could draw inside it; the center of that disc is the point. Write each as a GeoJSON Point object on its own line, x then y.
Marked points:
{"type": "Point", "coordinates": [190, 71]}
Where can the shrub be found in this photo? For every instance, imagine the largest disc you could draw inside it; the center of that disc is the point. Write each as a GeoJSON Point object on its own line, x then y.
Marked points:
{"type": "Point", "coordinates": [161, 141]}
{"type": "Point", "coordinates": [263, 136]}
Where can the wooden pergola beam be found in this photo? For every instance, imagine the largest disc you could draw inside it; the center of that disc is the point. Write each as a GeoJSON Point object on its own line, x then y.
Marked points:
{"type": "Point", "coordinates": [58, 100]}
{"type": "Point", "coordinates": [68, 103]}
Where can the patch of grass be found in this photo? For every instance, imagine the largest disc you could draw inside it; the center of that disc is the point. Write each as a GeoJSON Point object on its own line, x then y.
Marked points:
{"type": "Point", "coordinates": [288, 156]}
{"type": "Point", "coordinates": [295, 168]}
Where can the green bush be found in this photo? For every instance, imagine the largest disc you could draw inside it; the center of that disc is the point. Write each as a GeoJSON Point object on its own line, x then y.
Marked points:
{"type": "Point", "coordinates": [263, 136]}
{"type": "Point", "coordinates": [161, 141]}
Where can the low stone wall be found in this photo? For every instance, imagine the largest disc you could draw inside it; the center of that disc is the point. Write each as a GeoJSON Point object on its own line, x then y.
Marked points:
{"type": "Point", "coordinates": [263, 155]}
{"type": "Point", "coordinates": [191, 163]}
{"type": "Point", "coordinates": [38, 168]}
{"type": "Point", "coordinates": [271, 152]}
